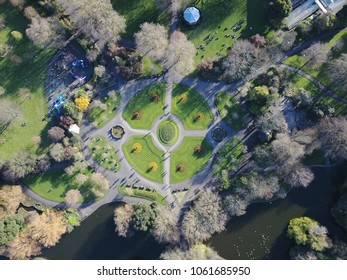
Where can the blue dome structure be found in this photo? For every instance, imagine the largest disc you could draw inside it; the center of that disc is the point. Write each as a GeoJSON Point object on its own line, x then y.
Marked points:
{"type": "Point", "coordinates": [191, 15]}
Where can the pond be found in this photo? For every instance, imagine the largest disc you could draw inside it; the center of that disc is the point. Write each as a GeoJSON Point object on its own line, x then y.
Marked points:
{"type": "Point", "coordinates": [260, 234]}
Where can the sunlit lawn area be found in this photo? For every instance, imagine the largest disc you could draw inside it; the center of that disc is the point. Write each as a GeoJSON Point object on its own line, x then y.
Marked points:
{"type": "Point", "coordinates": [31, 74]}
{"type": "Point", "coordinates": [137, 12]}
{"type": "Point", "coordinates": [191, 108]}
{"type": "Point", "coordinates": [102, 117]}
{"type": "Point", "coordinates": [191, 161]}
{"type": "Point", "coordinates": [230, 110]}
{"type": "Point", "coordinates": [148, 194]}
{"type": "Point", "coordinates": [218, 19]}
{"type": "Point", "coordinates": [145, 154]}
{"type": "Point", "coordinates": [143, 104]}
{"type": "Point", "coordinates": [321, 73]}
{"type": "Point", "coordinates": [54, 184]}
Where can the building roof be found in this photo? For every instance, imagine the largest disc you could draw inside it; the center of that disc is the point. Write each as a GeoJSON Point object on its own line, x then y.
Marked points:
{"type": "Point", "coordinates": [191, 15]}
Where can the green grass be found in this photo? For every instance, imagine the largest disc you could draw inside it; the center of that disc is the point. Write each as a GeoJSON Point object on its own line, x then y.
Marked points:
{"type": "Point", "coordinates": [104, 153]}
{"type": "Point", "coordinates": [179, 196]}
{"type": "Point", "coordinates": [31, 73]}
{"type": "Point", "coordinates": [301, 82]}
{"type": "Point", "coordinates": [59, 182]}
{"type": "Point", "coordinates": [150, 68]}
{"type": "Point", "coordinates": [167, 132]}
{"type": "Point", "coordinates": [150, 110]}
{"type": "Point", "coordinates": [193, 162]}
{"type": "Point", "coordinates": [137, 12]}
{"type": "Point", "coordinates": [140, 161]}
{"type": "Point", "coordinates": [187, 110]}
{"type": "Point", "coordinates": [151, 195]}
{"type": "Point", "coordinates": [230, 110]}
{"type": "Point", "coordinates": [226, 13]}
{"type": "Point", "coordinates": [230, 156]}
{"type": "Point", "coordinates": [321, 73]}
{"type": "Point", "coordinates": [101, 117]}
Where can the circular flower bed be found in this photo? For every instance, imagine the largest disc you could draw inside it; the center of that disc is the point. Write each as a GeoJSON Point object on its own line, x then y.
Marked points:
{"type": "Point", "coordinates": [152, 167]}
{"type": "Point", "coordinates": [168, 132]}
{"type": "Point", "coordinates": [183, 98]}
{"type": "Point", "coordinates": [199, 117]}
{"type": "Point", "coordinates": [137, 115]}
{"type": "Point", "coordinates": [136, 148]}
{"type": "Point", "coordinates": [219, 134]}
{"type": "Point", "coordinates": [117, 132]}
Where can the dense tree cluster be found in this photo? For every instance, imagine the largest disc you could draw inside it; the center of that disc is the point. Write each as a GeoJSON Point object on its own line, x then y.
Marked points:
{"type": "Point", "coordinates": [96, 19]}
{"type": "Point", "coordinates": [195, 252]}
{"type": "Point", "coordinates": [280, 8]}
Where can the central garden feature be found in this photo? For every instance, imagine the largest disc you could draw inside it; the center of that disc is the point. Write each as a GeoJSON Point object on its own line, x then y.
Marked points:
{"type": "Point", "coordinates": [168, 132]}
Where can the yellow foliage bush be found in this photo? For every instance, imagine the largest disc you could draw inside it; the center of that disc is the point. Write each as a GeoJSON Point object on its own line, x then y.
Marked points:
{"type": "Point", "coordinates": [152, 166]}
{"type": "Point", "coordinates": [137, 148]}
{"type": "Point", "coordinates": [82, 103]}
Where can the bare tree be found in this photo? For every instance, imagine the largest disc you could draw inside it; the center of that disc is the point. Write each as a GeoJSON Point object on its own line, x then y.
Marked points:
{"type": "Point", "coordinates": [180, 54]}
{"type": "Point", "coordinates": [20, 165]}
{"type": "Point", "coordinates": [72, 196]}
{"type": "Point", "coordinates": [8, 112]}
{"type": "Point", "coordinates": [23, 247]}
{"type": "Point", "coordinates": [100, 180]}
{"type": "Point", "coordinates": [316, 54]}
{"type": "Point", "coordinates": [166, 225]}
{"type": "Point", "coordinates": [57, 152]}
{"type": "Point", "coordinates": [47, 228]}
{"type": "Point", "coordinates": [56, 134]}
{"type": "Point", "coordinates": [152, 40]}
{"type": "Point", "coordinates": [333, 137]}
{"type": "Point", "coordinates": [299, 176]}
{"type": "Point", "coordinates": [235, 205]}
{"type": "Point", "coordinates": [96, 19]}
{"type": "Point", "coordinates": [81, 179]}
{"type": "Point", "coordinates": [30, 12]}
{"type": "Point", "coordinates": [45, 33]}
{"type": "Point", "coordinates": [337, 70]}
{"type": "Point", "coordinates": [204, 218]}
{"type": "Point", "coordinates": [17, 3]}
{"type": "Point", "coordinates": [196, 252]}
{"type": "Point", "coordinates": [122, 219]}
{"type": "Point", "coordinates": [10, 198]}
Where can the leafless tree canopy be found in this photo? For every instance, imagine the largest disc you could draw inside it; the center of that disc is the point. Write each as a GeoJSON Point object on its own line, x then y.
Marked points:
{"type": "Point", "coordinates": [72, 196]}
{"type": "Point", "coordinates": [152, 40]}
{"type": "Point", "coordinates": [337, 70]}
{"type": "Point", "coordinates": [122, 219]}
{"type": "Point", "coordinates": [96, 19]}
{"type": "Point", "coordinates": [8, 112]}
{"type": "Point", "coordinates": [316, 54]}
{"type": "Point", "coordinates": [196, 252]}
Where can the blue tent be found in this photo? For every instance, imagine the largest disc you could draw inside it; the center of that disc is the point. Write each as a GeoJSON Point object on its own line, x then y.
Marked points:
{"type": "Point", "coordinates": [191, 15]}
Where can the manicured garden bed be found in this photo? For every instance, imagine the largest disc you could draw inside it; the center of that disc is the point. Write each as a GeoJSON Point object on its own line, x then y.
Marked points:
{"type": "Point", "coordinates": [168, 132]}
{"type": "Point", "coordinates": [187, 161]}
{"type": "Point", "coordinates": [140, 152]}
{"type": "Point", "coordinates": [191, 108]}
{"type": "Point", "coordinates": [104, 153]}
{"type": "Point", "coordinates": [151, 195]}
{"type": "Point", "coordinates": [145, 106]}
{"type": "Point", "coordinates": [101, 117]}
{"type": "Point", "coordinates": [230, 110]}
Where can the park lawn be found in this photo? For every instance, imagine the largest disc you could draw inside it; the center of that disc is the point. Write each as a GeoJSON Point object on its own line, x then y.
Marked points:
{"type": "Point", "coordinates": [230, 110]}
{"type": "Point", "coordinates": [193, 162]}
{"type": "Point", "coordinates": [149, 153]}
{"type": "Point", "coordinates": [150, 110]}
{"type": "Point", "coordinates": [100, 117]}
{"type": "Point", "coordinates": [301, 82]}
{"type": "Point", "coordinates": [168, 132]}
{"type": "Point", "coordinates": [216, 15]}
{"type": "Point", "coordinates": [179, 196]}
{"type": "Point", "coordinates": [321, 73]}
{"type": "Point", "coordinates": [104, 153]}
{"type": "Point", "coordinates": [137, 12]}
{"type": "Point", "coordinates": [150, 68]}
{"type": "Point", "coordinates": [230, 156]}
{"type": "Point", "coordinates": [31, 74]}
{"type": "Point", "coordinates": [59, 182]}
{"type": "Point", "coordinates": [187, 110]}
{"type": "Point", "coordinates": [151, 195]}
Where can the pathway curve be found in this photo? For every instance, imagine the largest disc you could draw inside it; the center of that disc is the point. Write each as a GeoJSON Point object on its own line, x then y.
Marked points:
{"type": "Point", "coordinates": [323, 88]}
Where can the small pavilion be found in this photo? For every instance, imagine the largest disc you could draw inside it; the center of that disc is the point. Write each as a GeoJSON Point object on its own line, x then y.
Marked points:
{"type": "Point", "coordinates": [191, 15]}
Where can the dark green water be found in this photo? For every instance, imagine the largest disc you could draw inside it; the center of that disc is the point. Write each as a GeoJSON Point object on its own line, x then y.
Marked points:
{"type": "Point", "coordinates": [260, 234]}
